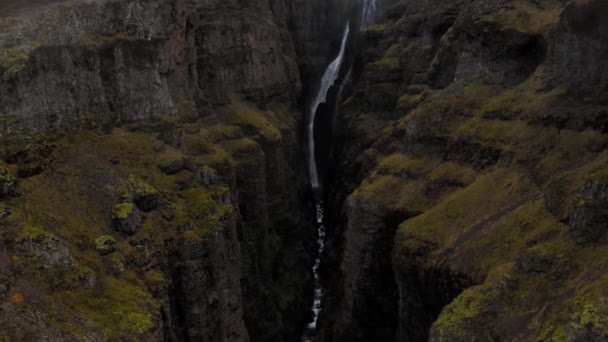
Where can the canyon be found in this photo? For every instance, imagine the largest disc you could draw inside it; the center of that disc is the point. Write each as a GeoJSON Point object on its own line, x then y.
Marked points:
{"type": "Point", "coordinates": [303, 170]}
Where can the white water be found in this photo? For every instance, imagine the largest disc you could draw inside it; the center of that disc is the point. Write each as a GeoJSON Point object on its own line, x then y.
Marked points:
{"type": "Point", "coordinates": [371, 12]}
{"type": "Point", "coordinates": [318, 296]}
{"type": "Point", "coordinates": [329, 78]}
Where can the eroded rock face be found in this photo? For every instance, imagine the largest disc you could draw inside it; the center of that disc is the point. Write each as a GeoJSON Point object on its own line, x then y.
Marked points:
{"type": "Point", "coordinates": [205, 296]}
{"type": "Point", "coordinates": [71, 65]}
{"type": "Point", "coordinates": [445, 99]}
{"type": "Point", "coordinates": [588, 220]}
{"type": "Point", "coordinates": [7, 182]}
{"type": "Point", "coordinates": [47, 252]}
{"type": "Point", "coordinates": [116, 61]}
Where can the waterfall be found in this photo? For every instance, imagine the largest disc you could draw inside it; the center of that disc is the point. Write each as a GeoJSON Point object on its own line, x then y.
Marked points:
{"type": "Point", "coordinates": [371, 12]}
{"type": "Point", "coordinates": [329, 78]}
{"type": "Point", "coordinates": [318, 295]}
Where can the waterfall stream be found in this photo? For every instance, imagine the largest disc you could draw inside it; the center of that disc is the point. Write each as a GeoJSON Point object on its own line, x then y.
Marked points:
{"type": "Point", "coordinates": [370, 13]}
{"type": "Point", "coordinates": [329, 78]}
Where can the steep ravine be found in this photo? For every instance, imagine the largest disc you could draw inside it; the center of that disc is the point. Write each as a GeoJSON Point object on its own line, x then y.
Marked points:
{"type": "Point", "coordinates": [154, 183]}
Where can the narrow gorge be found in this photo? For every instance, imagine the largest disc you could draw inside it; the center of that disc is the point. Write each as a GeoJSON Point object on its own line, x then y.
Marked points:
{"type": "Point", "coordinates": [304, 170]}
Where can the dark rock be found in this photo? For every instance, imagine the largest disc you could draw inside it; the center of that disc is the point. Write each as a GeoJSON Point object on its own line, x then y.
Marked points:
{"type": "Point", "coordinates": [48, 252]}
{"type": "Point", "coordinates": [588, 218]}
{"type": "Point", "coordinates": [7, 182]}
{"type": "Point", "coordinates": [190, 165]}
{"type": "Point", "coordinates": [126, 218]}
{"type": "Point", "coordinates": [144, 195]}
{"type": "Point", "coordinates": [172, 166]}
{"type": "Point", "coordinates": [209, 176]}
{"type": "Point", "coordinates": [105, 245]}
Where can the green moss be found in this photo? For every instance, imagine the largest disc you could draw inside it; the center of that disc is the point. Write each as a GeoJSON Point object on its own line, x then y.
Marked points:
{"type": "Point", "coordinates": [376, 28]}
{"type": "Point", "coordinates": [453, 173]}
{"type": "Point", "coordinates": [32, 232]}
{"type": "Point", "coordinates": [154, 277]}
{"type": "Point", "coordinates": [141, 187]}
{"type": "Point", "coordinates": [201, 212]}
{"type": "Point", "coordinates": [458, 315]}
{"type": "Point", "coordinates": [399, 164]}
{"type": "Point", "coordinates": [122, 210]}
{"type": "Point", "coordinates": [118, 308]}
{"type": "Point", "coordinates": [251, 119]}
{"type": "Point", "coordinates": [387, 63]}
{"type": "Point", "coordinates": [523, 16]}
{"type": "Point", "coordinates": [526, 100]}
{"type": "Point", "coordinates": [601, 175]}
{"type": "Point", "coordinates": [105, 244]}
{"type": "Point", "coordinates": [187, 111]}
{"type": "Point", "coordinates": [408, 102]}
{"type": "Point", "coordinates": [13, 60]}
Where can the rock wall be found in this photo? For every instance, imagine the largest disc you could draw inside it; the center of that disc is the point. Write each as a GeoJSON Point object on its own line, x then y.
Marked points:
{"type": "Point", "coordinates": [477, 126]}
{"type": "Point", "coordinates": [193, 98]}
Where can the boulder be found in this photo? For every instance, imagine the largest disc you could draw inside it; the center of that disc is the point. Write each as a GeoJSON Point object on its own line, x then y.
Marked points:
{"type": "Point", "coordinates": [105, 245]}
{"type": "Point", "coordinates": [172, 166]}
{"type": "Point", "coordinates": [126, 218]}
{"type": "Point", "coordinates": [145, 196]}
{"type": "Point", "coordinates": [48, 252]}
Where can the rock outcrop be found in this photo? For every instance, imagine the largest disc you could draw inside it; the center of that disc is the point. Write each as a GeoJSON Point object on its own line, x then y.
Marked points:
{"type": "Point", "coordinates": [477, 128]}
{"type": "Point", "coordinates": [157, 143]}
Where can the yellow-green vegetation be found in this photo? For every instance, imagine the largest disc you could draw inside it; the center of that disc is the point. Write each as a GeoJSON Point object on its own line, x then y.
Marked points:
{"type": "Point", "coordinates": [453, 173]}
{"type": "Point", "coordinates": [530, 17]}
{"type": "Point", "coordinates": [140, 187]}
{"type": "Point", "coordinates": [250, 118]}
{"type": "Point", "coordinates": [93, 177]}
{"type": "Point", "coordinates": [202, 211]}
{"type": "Point", "coordinates": [13, 60]}
{"type": "Point", "coordinates": [460, 212]}
{"type": "Point", "coordinates": [459, 314]}
{"type": "Point", "coordinates": [116, 308]}
{"type": "Point", "coordinates": [33, 232]}
{"type": "Point", "coordinates": [408, 102]}
{"type": "Point", "coordinates": [389, 183]}
{"type": "Point", "coordinates": [105, 243]}
{"type": "Point", "coordinates": [187, 111]}
{"type": "Point", "coordinates": [376, 28]}
{"type": "Point", "coordinates": [525, 100]}
{"type": "Point", "coordinates": [122, 210]}
{"type": "Point", "coordinates": [155, 277]}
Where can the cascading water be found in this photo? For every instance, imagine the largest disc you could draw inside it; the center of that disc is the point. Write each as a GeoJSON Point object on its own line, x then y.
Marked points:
{"type": "Point", "coordinates": [329, 78]}
{"type": "Point", "coordinates": [371, 12]}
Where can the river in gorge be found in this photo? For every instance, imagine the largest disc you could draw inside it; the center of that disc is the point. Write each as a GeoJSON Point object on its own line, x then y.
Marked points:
{"type": "Point", "coordinates": [371, 10]}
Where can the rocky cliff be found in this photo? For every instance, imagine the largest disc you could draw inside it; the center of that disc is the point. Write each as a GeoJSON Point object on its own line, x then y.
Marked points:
{"type": "Point", "coordinates": [467, 196]}
{"type": "Point", "coordinates": [152, 185]}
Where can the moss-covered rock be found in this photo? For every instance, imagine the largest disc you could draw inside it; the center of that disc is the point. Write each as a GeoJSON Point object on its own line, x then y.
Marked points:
{"type": "Point", "coordinates": [588, 218]}
{"type": "Point", "coordinates": [126, 218]}
{"type": "Point", "coordinates": [105, 245]}
{"type": "Point", "coordinates": [145, 196]}
{"type": "Point", "coordinates": [45, 251]}
{"type": "Point", "coordinates": [172, 166]}
{"type": "Point", "coordinates": [7, 181]}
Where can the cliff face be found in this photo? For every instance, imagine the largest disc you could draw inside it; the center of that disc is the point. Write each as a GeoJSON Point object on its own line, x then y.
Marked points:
{"type": "Point", "coordinates": [151, 185]}
{"type": "Point", "coordinates": [473, 138]}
